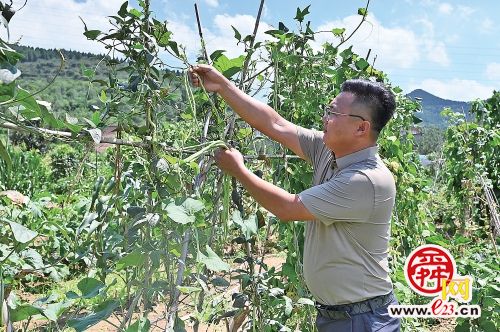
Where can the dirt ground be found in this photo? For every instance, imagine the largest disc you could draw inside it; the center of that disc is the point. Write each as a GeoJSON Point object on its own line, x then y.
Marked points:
{"type": "Point", "coordinates": [158, 320]}
{"type": "Point", "coordinates": [157, 315]}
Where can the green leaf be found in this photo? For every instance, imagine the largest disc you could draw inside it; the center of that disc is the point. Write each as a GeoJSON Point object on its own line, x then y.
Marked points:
{"type": "Point", "coordinates": [7, 91]}
{"type": "Point", "coordinates": [135, 12]}
{"type": "Point", "coordinates": [229, 67]}
{"type": "Point", "coordinates": [487, 325]}
{"type": "Point", "coordinates": [27, 100]}
{"type": "Point", "coordinates": [301, 14]}
{"type": "Point", "coordinates": [33, 258]}
{"type": "Point", "coordinates": [140, 325]}
{"type": "Point", "coordinates": [220, 282]}
{"type": "Point", "coordinates": [92, 34]}
{"type": "Point", "coordinates": [103, 97]}
{"type": "Point", "coordinates": [72, 295]}
{"type": "Point", "coordinates": [102, 312]}
{"type": "Point", "coordinates": [21, 233]}
{"type": "Point", "coordinates": [248, 227]}
{"type": "Point", "coordinates": [47, 116]}
{"type": "Point", "coordinates": [237, 34]}
{"type": "Point", "coordinates": [175, 48]}
{"type": "Point", "coordinates": [71, 119]}
{"type": "Point", "coordinates": [216, 54]}
{"type": "Point", "coordinates": [96, 118]}
{"type": "Point", "coordinates": [90, 287]}
{"type": "Point", "coordinates": [213, 262]}
{"type": "Point", "coordinates": [135, 258]}
{"type": "Point", "coordinates": [23, 312]}
{"type": "Point", "coordinates": [346, 54]}
{"type": "Point", "coordinates": [361, 64]}
{"type": "Point", "coordinates": [437, 239]}
{"type": "Point", "coordinates": [188, 289]}
{"type": "Point", "coordinates": [55, 310]}
{"type": "Point", "coordinates": [123, 10]}
{"type": "Point", "coordinates": [282, 27]}
{"type": "Point", "coordinates": [5, 156]}
{"type": "Point", "coordinates": [72, 124]}
{"type": "Point", "coordinates": [463, 325]}
{"type": "Point", "coordinates": [338, 31]}
{"type": "Point", "coordinates": [362, 11]}
{"type": "Point", "coordinates": [162, 36]}
{"type": "Point", "coordinates": [275, 33]}
{"type": "Point", "coordinates": [96, 134]}
{"type": "Point", "coordinates": [184, 213]}
{"type": "Point", "coordinates": [179, 214]}
{"type": "Point", "coordinates": [87, 72]}
{"type": "Point", "coordinates": [192, 205]}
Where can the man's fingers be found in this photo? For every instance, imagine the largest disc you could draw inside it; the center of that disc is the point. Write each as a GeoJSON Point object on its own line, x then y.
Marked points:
{"type": "Point", "coordinates": [194, 78]}
{"type": "Point", "coordinates": [202, 68]}
{"type": "Point", "coordinates": [217, 153]}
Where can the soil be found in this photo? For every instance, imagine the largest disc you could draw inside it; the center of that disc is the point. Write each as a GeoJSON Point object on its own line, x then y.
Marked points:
{"type": "Point", "coordinates": [158, 320]}
{"type": "Point", "coordinates": [156, 316]}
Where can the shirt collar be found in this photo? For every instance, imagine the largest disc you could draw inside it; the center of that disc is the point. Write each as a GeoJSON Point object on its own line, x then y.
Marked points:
{"type": "Point", "coordinates": [356, 157]}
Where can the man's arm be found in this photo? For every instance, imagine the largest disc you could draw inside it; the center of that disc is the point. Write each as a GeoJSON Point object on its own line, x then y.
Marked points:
{"type": "Point", "coordinates": [257, 114]}
{"type": "Point", "coordinates": [279, 202]}
{"type": "Point", "coordinates": [285, 206]}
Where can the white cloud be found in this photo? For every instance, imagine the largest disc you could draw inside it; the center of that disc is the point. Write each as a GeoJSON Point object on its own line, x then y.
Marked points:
{"type": "Point", "coordinates": [493, 71]}
{"type": "Point", "coordinates": [223, 35]}
{"type": "Point", "coordinates": [434, 50]}
{"type": "Point", "coordinates": [465, 11]}
{"type": "Point", "coordinates": [445, 8]}
{"type": "Point", "coordinates": [220, 36]}
{"type": "Point", "coordinates": [486, 26]}
{"type": "Point", "coordinates": [394, 47]}
{"type": "Point", "coordinates": [455, 89]}
{"type": "Point", "coordinates": [64, 30]}
{"type": "Point", "coordinates": [212, 3]}
{"type": "Point", "coordinates": [185, 35]}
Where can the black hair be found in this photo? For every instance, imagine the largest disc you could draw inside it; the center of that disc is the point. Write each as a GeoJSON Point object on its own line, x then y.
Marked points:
{"type": "Point", "coordinates": [376, 97]}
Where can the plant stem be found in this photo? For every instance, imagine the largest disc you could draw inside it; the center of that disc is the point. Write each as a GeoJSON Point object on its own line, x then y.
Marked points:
{"type": "Point", "coordinates": [172, 312]}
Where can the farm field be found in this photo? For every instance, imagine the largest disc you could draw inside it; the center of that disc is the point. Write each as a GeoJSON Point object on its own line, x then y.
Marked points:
{"type": "Point", "coordinates": [114, 216]}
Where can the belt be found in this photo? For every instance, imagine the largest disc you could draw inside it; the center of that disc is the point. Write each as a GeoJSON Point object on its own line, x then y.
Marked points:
{"type": "Point", "coordinates": [345, 311]}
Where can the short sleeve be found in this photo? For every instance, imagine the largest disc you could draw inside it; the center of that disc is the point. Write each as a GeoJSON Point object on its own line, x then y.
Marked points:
{"type": "Point", "coordinates": [311, 143]}
{"type": "Point", "coordinates": [348, 197]}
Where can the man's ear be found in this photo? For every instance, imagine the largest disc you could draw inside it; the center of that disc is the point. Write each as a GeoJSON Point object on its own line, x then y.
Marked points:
{"type": "Point", "coordinates": [364, 128]}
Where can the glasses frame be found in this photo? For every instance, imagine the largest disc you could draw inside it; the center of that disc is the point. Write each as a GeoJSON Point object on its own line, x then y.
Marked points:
{"type": "Point", "coordinates": [327, 112]}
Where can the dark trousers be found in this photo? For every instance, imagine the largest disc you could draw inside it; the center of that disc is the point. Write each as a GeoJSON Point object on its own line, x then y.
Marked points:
{"type": "Point", "coordinates": [374, 320]}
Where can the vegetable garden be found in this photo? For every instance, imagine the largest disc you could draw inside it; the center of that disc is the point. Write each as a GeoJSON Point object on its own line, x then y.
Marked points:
{"type": "Point", "coordinates": [149, 235]}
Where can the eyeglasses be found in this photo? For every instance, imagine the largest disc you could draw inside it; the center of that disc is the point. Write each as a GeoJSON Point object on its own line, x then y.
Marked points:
{"type": "Point", "coordinates": [327, 112]}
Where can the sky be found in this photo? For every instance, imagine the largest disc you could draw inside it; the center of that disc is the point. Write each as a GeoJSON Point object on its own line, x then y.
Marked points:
{"type": "Point", "coordinates": [449, 48]}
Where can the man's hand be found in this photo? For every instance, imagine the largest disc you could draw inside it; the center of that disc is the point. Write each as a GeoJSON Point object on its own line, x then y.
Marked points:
{"type": "Point", "coordinates": [207, 76]}
{"type": "Point", "coordinates": [230, 161]}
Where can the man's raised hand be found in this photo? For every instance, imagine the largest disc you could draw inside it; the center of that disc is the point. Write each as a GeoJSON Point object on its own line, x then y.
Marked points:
{"type": "Point", "coordinates": [208, 77]}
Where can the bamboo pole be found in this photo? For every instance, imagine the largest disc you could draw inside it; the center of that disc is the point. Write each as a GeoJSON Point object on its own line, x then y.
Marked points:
{"type": "Point", "coordinates": [68, 135]}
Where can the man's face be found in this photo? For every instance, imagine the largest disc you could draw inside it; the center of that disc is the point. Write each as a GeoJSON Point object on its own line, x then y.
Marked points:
{"type": "Point", "coordinates": [339, 124]}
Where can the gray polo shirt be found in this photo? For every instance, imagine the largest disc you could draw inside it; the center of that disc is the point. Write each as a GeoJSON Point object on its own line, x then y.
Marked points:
{"type": "Point", "coordinates": [346, 247]}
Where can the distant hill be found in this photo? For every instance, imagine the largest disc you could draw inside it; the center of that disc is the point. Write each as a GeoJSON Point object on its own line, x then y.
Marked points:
{"type": "Point", "coordinates": [433, 105]}
{"type": "Point", "coordinates": [71, 92]}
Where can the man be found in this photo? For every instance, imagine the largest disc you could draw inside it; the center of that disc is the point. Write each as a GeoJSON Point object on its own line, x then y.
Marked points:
{"type": "Point", "coordinates": [348, 209]}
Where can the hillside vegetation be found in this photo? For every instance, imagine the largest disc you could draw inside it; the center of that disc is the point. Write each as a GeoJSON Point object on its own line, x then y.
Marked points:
{"type": "Point", "coordinates": [149, 234]}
